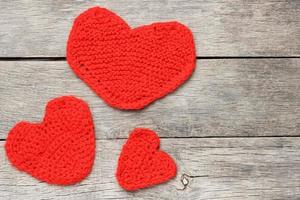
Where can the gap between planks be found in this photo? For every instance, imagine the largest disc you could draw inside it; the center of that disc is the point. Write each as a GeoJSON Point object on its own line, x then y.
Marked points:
{"type": "Point", "coordinates": [204, 137]}
{"type": "Point", "coordinates": [198, 58]}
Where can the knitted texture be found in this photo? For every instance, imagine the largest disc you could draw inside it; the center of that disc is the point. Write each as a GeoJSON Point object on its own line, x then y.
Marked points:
{"type": "Point", "coordinates": [129, 68]}
{"type": "Point", "coordinates": [141, 163]}
{"type": "Point", "coordinates": [59, 150]}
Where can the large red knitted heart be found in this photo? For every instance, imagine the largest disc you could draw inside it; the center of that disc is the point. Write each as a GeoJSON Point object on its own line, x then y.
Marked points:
{"type": "Point", "coordinates": [141, 163]}
{"type": "Point", "coordinates": [129, 68]}
{"type": "Point", "coordinates": [61, 149]}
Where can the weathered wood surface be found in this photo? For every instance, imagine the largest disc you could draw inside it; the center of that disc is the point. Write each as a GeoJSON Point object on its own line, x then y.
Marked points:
{"type": "Point", "coordinates": [231, 97]}
{"type": "Point", "coordinates": [221, 28]}
{"type": "Point", "coordinates": [225, 168]}
{"type": "Point", "coordinates": [240, 105]}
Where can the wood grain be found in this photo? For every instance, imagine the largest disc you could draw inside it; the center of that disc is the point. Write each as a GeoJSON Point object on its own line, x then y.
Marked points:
{"type": "Point", "coordinates": [244, 168]}
{"type": "Point", "coordinates": [221, 28]}
{"type": "Point", "coordinates": [231, 97]}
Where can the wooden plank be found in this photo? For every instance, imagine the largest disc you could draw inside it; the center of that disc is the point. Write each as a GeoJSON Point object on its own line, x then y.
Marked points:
{"type": "Point", "coordinates": [244, 168]}
{"type": "Point", "coordinates": [231, 97]}
{"type": "Point", "coordinates": [221, 28]}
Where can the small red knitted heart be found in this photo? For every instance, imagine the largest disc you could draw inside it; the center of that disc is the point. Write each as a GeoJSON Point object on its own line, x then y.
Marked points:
{"type": "Point", "coordinates": [61, 149]}
{"type": "Point", "coordinates": [129, 68]}
{"type": "Point", "coordinates": [141, 163]}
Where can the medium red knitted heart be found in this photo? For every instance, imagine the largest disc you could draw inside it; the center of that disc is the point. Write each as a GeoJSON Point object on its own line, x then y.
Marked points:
{"type": "Point", "coordinates": [129, 68]}
{"type": "Point", "coordinates": [61, 149]}
{"type": "Point", "coordinates": [141, 163]}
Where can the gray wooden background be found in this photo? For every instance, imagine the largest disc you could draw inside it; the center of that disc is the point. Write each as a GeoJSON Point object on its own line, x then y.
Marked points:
{"type": "Point", "coordinates": [233, 128]}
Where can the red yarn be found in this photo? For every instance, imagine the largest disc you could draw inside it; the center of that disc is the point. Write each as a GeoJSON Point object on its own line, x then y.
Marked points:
{"type": "Point", "coordinates": [129, 68]}
{"type": "Point", "coordinates": [141, 163]}
{"type": "Point", "coordinates": [61, 149]}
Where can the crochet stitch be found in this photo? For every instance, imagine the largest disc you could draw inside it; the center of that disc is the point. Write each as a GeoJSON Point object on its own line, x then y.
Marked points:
{"type": "Point", "coordinates": [59, 150]}
{"type": "Point", "coordinates": [129, 68]}
{"type": "Point", "coordinates": [141, 163]}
